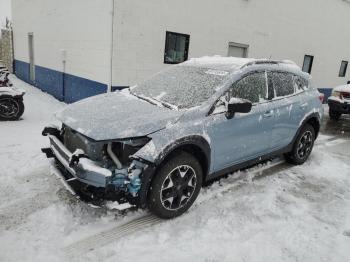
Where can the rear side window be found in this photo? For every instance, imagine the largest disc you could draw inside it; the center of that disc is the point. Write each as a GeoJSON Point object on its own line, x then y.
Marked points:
{"type": "Point", "coordinates": [252, 87]}
{"type": "Point", "coordinates": [283, 83]}
{"type": "Point", "coordinates": [300, 84]}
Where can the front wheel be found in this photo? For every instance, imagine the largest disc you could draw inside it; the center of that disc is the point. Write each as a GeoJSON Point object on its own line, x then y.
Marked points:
{"type": "Point", "coordinates": [302, 146]}
{"type": "Point", "coordinates": [176, 186]}
{"type": "Point", "coordinates": [11, 108]}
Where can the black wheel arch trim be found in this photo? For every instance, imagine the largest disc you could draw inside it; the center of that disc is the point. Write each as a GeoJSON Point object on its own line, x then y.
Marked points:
{"type": "Point", "coordinates": [150, 170]}
{"type": "Point", "coordinates": [192, 140]}
{"type": "Point", "coordinates": [314, 115]}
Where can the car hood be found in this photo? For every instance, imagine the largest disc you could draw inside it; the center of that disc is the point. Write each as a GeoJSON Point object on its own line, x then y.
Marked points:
{"type": "Point", "coordinates": [116, 116]}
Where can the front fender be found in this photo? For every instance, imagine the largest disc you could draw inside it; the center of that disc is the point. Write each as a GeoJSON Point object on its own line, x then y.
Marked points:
{"type": "Point", "coordinates": [154, 153]}
{"type": "Point", "coordinates": [157, 150]}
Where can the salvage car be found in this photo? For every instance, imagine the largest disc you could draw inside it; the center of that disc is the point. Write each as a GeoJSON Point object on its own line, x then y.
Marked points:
{"type": "Point", "coordinates": [339, 102]}
{"type": "Point", "coordinates": [156, 144]}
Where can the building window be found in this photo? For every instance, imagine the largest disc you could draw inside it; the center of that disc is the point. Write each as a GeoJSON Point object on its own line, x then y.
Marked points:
{"type": "Point", "coordinates": [176, 48]}
{"type": "Point", "coordinates": [343, 68]}
{"type": "Point", "coordinates": [307, 65]}
{"type": "Point", "coordinates": [237, 50]}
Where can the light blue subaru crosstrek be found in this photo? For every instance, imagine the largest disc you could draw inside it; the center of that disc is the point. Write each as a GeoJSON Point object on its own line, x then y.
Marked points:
{"type": "Point", "coordinates": [155, 144]}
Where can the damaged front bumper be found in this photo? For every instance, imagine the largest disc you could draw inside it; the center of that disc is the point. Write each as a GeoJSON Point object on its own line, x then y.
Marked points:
{"type": "Point", "coordinates": [118, 184]}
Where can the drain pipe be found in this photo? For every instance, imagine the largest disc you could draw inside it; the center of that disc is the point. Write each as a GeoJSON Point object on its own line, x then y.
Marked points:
{"type": "Point", "coordinates": [109, 87]}
{"type": "Point", "coordinates": [113, 156]}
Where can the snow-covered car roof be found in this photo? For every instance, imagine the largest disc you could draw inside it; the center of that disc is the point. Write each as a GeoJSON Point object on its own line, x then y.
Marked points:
{"type": "Point", "coordinates": [219, 62]}
{"type": "Point", "coordinates": [233, 63]}
{"type": "Point", "coordinates": [342, 88]}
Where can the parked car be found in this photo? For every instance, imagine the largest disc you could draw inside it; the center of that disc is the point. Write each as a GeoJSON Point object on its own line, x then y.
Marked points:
{"type": "Point", "coordinates": [155, 144]}
{"type": "Point", "coordinates": [11, 99]}
{"type": "Point", "coordinates": [339, 102]}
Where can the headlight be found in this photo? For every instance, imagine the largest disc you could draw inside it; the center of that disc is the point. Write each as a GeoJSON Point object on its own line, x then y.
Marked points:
{"type": "Point", "coordinates": [336, 94]}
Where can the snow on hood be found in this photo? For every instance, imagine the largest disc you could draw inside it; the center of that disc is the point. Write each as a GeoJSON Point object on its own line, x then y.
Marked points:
{"type": "Point", "coordinates": [343, 88]}
{"type": "Point", "coordinates": [116, 116]}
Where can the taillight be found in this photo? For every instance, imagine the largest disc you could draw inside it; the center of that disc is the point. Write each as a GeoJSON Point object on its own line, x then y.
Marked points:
{"type": "Point", "coordinates": [321, 97]}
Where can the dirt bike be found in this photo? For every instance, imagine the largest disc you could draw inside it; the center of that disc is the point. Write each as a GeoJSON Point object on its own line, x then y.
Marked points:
{"type": "Point", "coordinates": [11, 99]}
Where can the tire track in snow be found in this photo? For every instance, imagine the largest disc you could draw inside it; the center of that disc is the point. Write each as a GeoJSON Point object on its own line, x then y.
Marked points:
{"type": "Point", "coordinates": [103, 238]}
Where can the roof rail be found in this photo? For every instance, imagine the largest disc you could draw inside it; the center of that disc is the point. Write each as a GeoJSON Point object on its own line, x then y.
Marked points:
{"type": "Point", "coordinates": [266, 61]}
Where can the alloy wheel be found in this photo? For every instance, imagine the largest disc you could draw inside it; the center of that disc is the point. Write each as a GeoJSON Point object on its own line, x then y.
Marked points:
{"type": "Point", "coordinates": [305, 145]}
{"type": "Point", "coordinates": [178, 187]}
{"type": "Point", "coordinates": [8, 107]}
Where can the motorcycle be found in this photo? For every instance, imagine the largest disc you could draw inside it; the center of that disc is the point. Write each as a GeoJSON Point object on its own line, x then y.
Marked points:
{"type": "Point", "coordinates": [11, 99]}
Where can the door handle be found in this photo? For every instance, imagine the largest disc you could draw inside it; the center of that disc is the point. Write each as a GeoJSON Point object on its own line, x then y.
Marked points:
{"type": "Point", "coordinates": [304, 105]}
{"type": "Point", "coordinates": [268, 114]}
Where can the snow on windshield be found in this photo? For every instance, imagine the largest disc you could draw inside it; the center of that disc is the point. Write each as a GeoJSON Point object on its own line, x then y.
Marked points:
{"type": "Point", "coordinates": [182, 86]}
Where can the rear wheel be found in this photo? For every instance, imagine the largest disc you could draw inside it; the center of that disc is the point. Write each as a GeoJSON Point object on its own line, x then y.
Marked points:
{"type": "Point", "coordinates": [175, 186]}
{"type": "Point", "coordinates": [11, 108]}
{"type": "Point", "coordinates": [302, 146]}
{"type": "Point", "coordinates": [334, 115]}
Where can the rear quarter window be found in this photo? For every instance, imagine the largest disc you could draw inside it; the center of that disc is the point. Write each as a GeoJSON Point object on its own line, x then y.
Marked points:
{"type": "Point", "coordinates": [300, 84]}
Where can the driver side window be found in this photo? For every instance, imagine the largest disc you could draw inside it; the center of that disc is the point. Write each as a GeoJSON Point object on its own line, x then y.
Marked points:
{"type": "Point", "coordinates": [252, 87]}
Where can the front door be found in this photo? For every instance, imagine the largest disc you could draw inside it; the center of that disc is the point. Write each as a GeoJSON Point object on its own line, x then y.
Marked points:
{"type": "Point", "coordinates": [245, 136]}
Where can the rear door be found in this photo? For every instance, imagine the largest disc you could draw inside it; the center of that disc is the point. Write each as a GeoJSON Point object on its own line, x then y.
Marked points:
{"type": "Point", "coordinates": [289, 108]}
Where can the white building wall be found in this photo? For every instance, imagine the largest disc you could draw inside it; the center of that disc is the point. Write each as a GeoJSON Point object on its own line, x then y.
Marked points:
{"type": "Point", "coordinates": [81, 27]}
{"type": "Point", "coordinates": [5, 12]}
{"type": "Point", "coordinates": [277, 29]}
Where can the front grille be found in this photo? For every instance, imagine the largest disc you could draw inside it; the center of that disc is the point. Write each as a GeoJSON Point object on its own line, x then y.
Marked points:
{"type": "Point", "coordinates": [59, 150]}
{"type": "Point", "coordinates": [74, 140]}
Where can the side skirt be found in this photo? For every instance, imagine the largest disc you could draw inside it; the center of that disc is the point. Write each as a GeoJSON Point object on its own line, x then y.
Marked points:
{"type": "Point", "coordinates": [249, 163]}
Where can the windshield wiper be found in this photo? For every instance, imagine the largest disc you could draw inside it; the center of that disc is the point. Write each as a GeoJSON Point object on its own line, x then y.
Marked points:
{"type": "Point", "coordinates": [167, 105]}
{"type": "Point", "coordinates": [156, 102]}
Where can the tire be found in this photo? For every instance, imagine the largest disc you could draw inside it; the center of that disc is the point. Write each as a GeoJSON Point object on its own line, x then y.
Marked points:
{"type": "Point", "coordinates": [175, 186]}
{"type": "Point", "coordinates": [334, 115]}
{"type": "Point", "coordinates": [11, 108]}
{"type": "Point", "coordinates": [303, 146]}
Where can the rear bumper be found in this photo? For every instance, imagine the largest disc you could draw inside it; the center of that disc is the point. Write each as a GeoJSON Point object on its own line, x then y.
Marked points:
{"type": "Point", "coordinates": [341, 107]}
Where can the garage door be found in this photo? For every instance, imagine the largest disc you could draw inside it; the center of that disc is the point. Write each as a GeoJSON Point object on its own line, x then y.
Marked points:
{"type": "Point", "coordinates": [237, 50]}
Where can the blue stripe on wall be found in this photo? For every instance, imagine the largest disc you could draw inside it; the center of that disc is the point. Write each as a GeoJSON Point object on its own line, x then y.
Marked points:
{"type": "Point", "coordinates": [22, 70]}
{"type": "Point", "coordinates": [49, 81]}
{"type": "Point", "coordinates": [65, 87]}
{"type": "Point", "coordinates": [77, 88]}
{"type": "Point", "coordinates": [118, 88]}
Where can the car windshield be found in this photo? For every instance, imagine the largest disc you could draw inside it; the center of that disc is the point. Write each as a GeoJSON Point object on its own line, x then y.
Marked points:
{"type": "Point", "coordinates": [181, 86]}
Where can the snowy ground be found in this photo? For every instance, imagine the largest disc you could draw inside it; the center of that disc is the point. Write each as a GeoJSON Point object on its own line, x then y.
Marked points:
{"type": "Point", "coordinates": [269, 213]}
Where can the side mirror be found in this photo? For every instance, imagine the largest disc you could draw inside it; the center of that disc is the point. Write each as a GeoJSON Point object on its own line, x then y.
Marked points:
{"type": "Point", "coordinates": [237, 105]}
